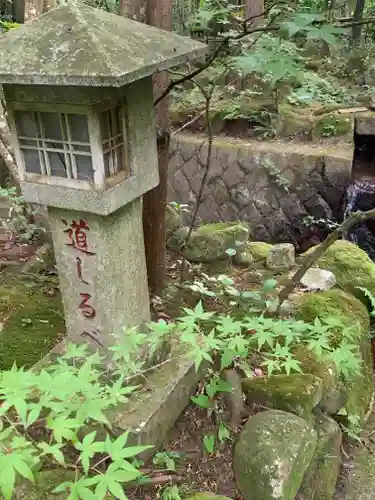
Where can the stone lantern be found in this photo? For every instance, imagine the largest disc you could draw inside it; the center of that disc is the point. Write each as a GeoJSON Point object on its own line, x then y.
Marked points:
{"type": "Point", "coordinates": [78, 89]}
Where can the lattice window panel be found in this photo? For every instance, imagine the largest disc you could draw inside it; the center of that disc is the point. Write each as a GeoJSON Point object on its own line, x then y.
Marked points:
{"type": "Point", "coordinates": [113, 136]}
{"type": "Point", "coordinates": [55, 144]}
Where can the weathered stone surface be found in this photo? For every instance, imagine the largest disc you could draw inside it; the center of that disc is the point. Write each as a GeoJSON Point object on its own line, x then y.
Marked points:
{"type": "Point", "coordinates": [281, 256]}
{"type": "Point", "coordinates": [117, 51]}
{"type": "Point", "coordinates": [272, 455]}
{"type": "Point", "coordinates": [296, 393]}
{"type": "Point", "coordinates": [351, 266]}
{"type": "Point", "coordinates": [321, 477]}
{"type": "Point", "coordinates": [318, 279]}
{"type": "Point", "coordinates": [210, 241]}
{"type": "Point", "coordinates": [365, 123]}
{"type": "Point", "coordinates": [241, 187]}
{"type": "Point", "coordinates": [351, 313]}
{"type": "Point", "coordinates": [113, 274]}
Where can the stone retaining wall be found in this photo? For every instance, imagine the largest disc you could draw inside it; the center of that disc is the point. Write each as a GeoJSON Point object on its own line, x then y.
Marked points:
{"type": "Point", "coordinates": [272, 185]}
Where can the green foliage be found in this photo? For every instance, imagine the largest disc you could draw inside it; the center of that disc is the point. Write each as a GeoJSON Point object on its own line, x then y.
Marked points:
{"type": "Point", "coordinates": [6, 25]}
{"type": "Point", "coordinates": [43, 418]}
{"type": "Point", "coordinates": [20, 223]}
{"type": "Point", "coordinates": [166, 459]}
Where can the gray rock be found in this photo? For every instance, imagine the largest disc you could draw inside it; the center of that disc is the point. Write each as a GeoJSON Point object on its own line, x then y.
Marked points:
{"type": "Point", "coordinates": [172, 220]}
{"type": "Point", "coordinates": [318, 279]}
{"type": "Point", "coordinates": [365, 123]}
{"type": "Point", "coordinates": [272, 455]}
{"type": "Point", "coordinates": [281, 256]}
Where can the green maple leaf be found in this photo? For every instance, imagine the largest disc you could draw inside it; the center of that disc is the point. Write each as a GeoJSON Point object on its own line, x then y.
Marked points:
{"type": "Point", "coordinates": [54, 450]}
{"type": "Point", "coordinates": [62, 427]}
{"type": "Point", "coordinates": [89, 448]}
{"type": "Point", "coordinates": [118, 450]}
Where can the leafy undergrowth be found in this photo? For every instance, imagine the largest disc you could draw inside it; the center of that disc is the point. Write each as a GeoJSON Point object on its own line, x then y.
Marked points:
{"type": "Point", "coordinates": [186, 466]}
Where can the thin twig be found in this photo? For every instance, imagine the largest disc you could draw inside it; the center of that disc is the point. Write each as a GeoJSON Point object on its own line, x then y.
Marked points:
{"type": "Point", "coordinates": [352, 220]}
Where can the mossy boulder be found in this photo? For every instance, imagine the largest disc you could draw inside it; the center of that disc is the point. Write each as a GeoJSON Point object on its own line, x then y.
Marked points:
{"type": "Point", "coordinates": [209, 242]}
{"type": "Point", "coordinates": [352, 267]}
{"type": "Point", "coordinates": [351, 312]}
{"type": "Point", "coordinates": [333, 125]}
{"type": "Point", "coordinates": [259, 250]}
{"type": "Point", "coordinates": [296, 393]}
{"type": "Point", "coordinates": [333, 390]}
{"type": "Point", "coordinates": [272, 455]}
{"type": "Point", "coordinates": [321, 477]}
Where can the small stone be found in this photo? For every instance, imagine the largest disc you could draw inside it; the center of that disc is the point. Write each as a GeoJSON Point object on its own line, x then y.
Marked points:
{"type": "Point", "coordinates": [281, 256]}
{"type": "Point", "coordinates": [259, 249]}
{"type": "Point", "coordinates": [272, 454]}
{"type": "Point", "coordinates": [296, 393]}
{"type": "Point", "coordinates": [318, 279]}
{"type": "Point", "coordinates": [172, 220]}
{"type": "Point", "coordinates": [244, 257]}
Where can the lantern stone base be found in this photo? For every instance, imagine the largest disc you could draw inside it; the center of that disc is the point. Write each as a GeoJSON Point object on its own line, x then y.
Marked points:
{"type": "Point", "coordinates": [102, 269]}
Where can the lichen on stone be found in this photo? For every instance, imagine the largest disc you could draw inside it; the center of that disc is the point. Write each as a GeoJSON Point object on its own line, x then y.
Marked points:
{"type": "Point", "coordinates": [272, 455]}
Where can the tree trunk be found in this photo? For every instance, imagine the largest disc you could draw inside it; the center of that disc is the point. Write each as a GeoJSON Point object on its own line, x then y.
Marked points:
{"type": "Point", "coordinates": [357, 29]}
{"type": "Point", "coordinates": [254, 8]}
{"type": "Point", "coordinates": [157, 13]}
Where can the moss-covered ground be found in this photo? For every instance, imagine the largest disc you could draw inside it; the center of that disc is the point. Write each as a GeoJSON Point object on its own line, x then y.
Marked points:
{"type": "Point", "coordinates": [32, 319]}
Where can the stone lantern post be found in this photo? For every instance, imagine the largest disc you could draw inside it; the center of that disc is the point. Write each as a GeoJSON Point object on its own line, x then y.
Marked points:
{"type": "Point", "coordinates": [78, 91]}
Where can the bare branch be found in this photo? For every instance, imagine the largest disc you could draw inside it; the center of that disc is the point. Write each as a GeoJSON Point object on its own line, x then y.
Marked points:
{"type": "Point", "coordinates": [313, 257]}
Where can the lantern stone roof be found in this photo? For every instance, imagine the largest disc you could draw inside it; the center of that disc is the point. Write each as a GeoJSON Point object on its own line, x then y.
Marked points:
{"type": "Point", "coordinates": [82, 46]}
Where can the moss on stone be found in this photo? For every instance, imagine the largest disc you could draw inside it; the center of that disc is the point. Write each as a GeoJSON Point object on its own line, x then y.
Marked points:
{"type": "Point", "coordinates": [296, 393]}
{"type": "Point", "coordinates": [352, 313]}
{"type": "Point", "coordinates": [352, 267]}
{"type": "Point", "coordinates": [333, 125]}
{"type": "Point", "coordinates": [259, 249]}
{"type": "Point", "coordinates": [334, 392]}
{"type": "Point", "coordinates": [209, 242]}
{"type": "Point", "coordinates": [321, 477]}
{"type": "Point", "coordinates": [294, 122]}
{"type": "Point", "coordinates": [32, 322]}
{"type": "Point", "coordinates": [272, 455]}
{"type": "Point", "coordinates": [333, 303]}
